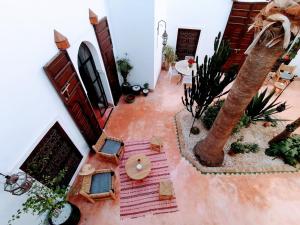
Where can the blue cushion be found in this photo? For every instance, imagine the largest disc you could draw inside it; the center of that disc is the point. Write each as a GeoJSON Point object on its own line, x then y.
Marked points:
{"type": "Point", "coordinates": [111, 147]}
{"type": "Point", "coordinates": [101, 183]}
{"type": "Point", "coordinates": [286, 75]}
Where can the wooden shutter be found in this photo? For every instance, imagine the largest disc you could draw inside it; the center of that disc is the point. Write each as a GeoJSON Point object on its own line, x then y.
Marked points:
{"type": "Point", "coordinates": [106, 49]}
{"type": "Point", "coordinates": [236, 32]}
{"type": "Point", "coordinates": [62, 74]}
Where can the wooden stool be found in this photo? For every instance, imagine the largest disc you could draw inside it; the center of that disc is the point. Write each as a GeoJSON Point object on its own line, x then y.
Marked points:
{"type": "Point", "coordinates": [166, 190]}
{"type": "Point", "coordinates": [156, 144]}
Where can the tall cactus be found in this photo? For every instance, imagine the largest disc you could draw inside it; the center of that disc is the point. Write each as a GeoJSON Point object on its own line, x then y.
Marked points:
{"type": "Point", "coordinates": [210, 80]}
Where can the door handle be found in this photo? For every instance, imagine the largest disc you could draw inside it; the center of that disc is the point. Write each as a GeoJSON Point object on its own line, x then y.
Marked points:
{"type": "Point", "coordinates": [65, 91]}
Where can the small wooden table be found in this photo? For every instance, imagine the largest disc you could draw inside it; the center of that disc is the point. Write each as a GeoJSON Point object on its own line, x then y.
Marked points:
{"type": "Point", "coordinates": [156, 144]}
{"type": "Point", "coordinates": [131, 167]}
{"type": "Point", "coordinates": [166, 190]}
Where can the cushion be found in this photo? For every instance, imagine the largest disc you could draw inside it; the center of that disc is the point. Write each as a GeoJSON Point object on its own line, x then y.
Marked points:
{"type": "Point", "coordinates": [101, 183]}
{"type": "Point", "coordinates": [286, 75]}
{"type": "Point", "coordinates": [111, 147]}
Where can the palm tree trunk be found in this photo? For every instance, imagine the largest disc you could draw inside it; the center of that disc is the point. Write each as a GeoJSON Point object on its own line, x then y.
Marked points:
{"type": "Point", "coordinates": [250, 78]}
{"type": "Point", "coordinates": [289, 129]}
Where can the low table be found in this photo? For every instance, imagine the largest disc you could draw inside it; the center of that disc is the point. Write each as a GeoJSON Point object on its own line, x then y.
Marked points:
{"type": "Point", "coordinates": [131, 167]}
{"type": "Point", "coordinates": [156, 144]}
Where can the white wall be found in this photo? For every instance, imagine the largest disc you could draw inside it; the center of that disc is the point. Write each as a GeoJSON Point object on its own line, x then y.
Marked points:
{"type": "Point", "coordinates": [296, 62]}
{"type": "Point", "coordinates": [207, 15]}
{"type": "Point", "coordinates": [29, 103]}
{"type": "Point", "coordinates": [160, 13]}
{"type": "Point", "coordinates": [131, 25]}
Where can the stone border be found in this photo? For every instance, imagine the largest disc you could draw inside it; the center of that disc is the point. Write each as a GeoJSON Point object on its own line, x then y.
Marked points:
{"type": "Point", "coordinates": [235, 171]}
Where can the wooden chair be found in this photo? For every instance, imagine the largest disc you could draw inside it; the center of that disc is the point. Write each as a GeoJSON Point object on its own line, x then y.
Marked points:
{"type": "Point", "coordinates": [109, 149]}
{"type": "Point", "coordinates": [172, 72]}
{"type": "Point", "coordinates": [285, 72]}
{"type": "Point", "coordinates": [99, 185]}
{"type": "Point", "coordinates": [284, 75]}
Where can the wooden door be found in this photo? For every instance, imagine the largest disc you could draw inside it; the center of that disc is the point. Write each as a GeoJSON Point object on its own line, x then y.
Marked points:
{"type": "Point", "coordinates": [61, 72]}
{"type": "Point", "coordinates": [236, 31]}
{"type": "Point", "coordinates": [106, 48]}
{"type": "Point", "coordinates": [187, 42]}
{"type": "Point", "coordinates": [91, 79]}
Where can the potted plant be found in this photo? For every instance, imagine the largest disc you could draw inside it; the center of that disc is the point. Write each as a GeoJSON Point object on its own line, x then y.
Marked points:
{"type": "Point", "coordinates": [136, 89]}
{"type": "Point", "coordinates": [169, 56]}
{"type": "Point", "coordinates": [146, 89]}
{"type": "Point", "coordinates": [129, 98]}
{"type": "Point", "coordinates": [52, 200]}
{"type": "Point", "coordinates": [124, 67]}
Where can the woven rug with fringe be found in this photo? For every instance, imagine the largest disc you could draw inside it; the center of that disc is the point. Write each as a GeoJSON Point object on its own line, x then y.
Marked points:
{"type": "Point", "coordinates": [140, 198]}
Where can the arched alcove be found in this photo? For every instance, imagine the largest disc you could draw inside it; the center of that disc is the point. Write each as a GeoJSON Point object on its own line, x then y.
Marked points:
{"type": "Point", "coordinates": [90, 77]}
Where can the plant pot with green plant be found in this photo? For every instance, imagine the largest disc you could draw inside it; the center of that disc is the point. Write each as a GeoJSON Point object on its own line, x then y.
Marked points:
{"type": "Point", "coordinates": [146, 89]}
{"type": "Point", "coordinates": [129, 98]}
{"type": "Point", "coordinates": [169, 56]}
{"type": "Point", "coordinates": [50, 200]}
{"type": "Point", "coordinates": [124, 67]}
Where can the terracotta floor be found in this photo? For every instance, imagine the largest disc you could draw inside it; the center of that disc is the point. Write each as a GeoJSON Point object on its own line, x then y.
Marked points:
{"type": "Point", "coordinates": [202, 199]}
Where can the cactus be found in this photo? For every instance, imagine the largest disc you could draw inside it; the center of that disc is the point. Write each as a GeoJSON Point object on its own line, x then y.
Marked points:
{"type": "Point", "coordinates": [210, 80]}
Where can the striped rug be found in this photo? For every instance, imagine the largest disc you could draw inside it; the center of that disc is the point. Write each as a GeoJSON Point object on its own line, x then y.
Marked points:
{"type": "Point", "coordinates": [139, 198]}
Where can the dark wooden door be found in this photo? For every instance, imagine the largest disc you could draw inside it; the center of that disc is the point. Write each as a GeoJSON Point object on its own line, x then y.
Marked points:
{"type": "Point", "coordinates": [236, 31]}
{"type": "Point", "coordinates": [106, 48]}
{"type": "Point", "coordinates": [61, 72]}
{"type": "Point", "coordinates": [91, 79]}
{"type": "Point", "coordinates": [187, 42]}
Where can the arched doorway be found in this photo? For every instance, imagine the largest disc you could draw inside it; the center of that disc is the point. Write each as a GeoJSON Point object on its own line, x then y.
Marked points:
{"type": "Point", "coordinates": [91, 79]}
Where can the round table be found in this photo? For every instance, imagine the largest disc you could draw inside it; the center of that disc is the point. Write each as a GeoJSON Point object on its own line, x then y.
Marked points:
{"type": "Point", "coordinates": [183, 68]}
{"type": "Point", "coordinates": [131, 167]}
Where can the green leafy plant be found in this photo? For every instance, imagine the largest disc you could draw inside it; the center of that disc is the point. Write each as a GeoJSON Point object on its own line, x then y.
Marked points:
{"type": "Point", "coordinates": [211, 113]}
{"type": "Point", "coordinates": [146, 85]}
{"type": "Point", "coordinates": [239, 147]}
{"type": "Point", "coordinates": [244, 122]}
{"type": "Point", "coordinates": [44, 199]}
{"type": "Point", "coordinates": [124, 66]}
{"type": "Point", "coordinates": [288, 150]}
{"type": "Point", "coordinates": [169, 54]}
{"type": "Point", "coordinates": [262, 107]}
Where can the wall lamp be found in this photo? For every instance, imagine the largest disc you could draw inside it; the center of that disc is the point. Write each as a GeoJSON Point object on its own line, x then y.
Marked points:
{"type": "Point", "coordinates": [164, 35]}
{"type": "Point", "coordinates": [18, 183]}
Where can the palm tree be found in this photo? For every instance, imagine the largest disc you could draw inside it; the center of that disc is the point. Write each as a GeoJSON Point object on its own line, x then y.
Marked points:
{"type": "Point", "coordinates": [273, 26]}
{"type": "Point", "coordinates": [289, 129]}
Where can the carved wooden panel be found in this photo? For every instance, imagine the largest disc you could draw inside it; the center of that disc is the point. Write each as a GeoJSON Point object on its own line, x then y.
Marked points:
{"type": "Point", "coordinates": [106, 48]}
{"type": "Point", "coordinates": [187, 42]}
{"type": "Point", "coordinates": [52, 154]}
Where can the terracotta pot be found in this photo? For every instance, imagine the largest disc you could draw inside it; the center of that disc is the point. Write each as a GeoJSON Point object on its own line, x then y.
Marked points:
{"type": "Point", "coordinates": [129, 98]}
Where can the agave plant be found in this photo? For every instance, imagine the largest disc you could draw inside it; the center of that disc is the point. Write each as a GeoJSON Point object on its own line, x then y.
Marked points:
{"type": "Point", "coordinates": [261, 107]}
